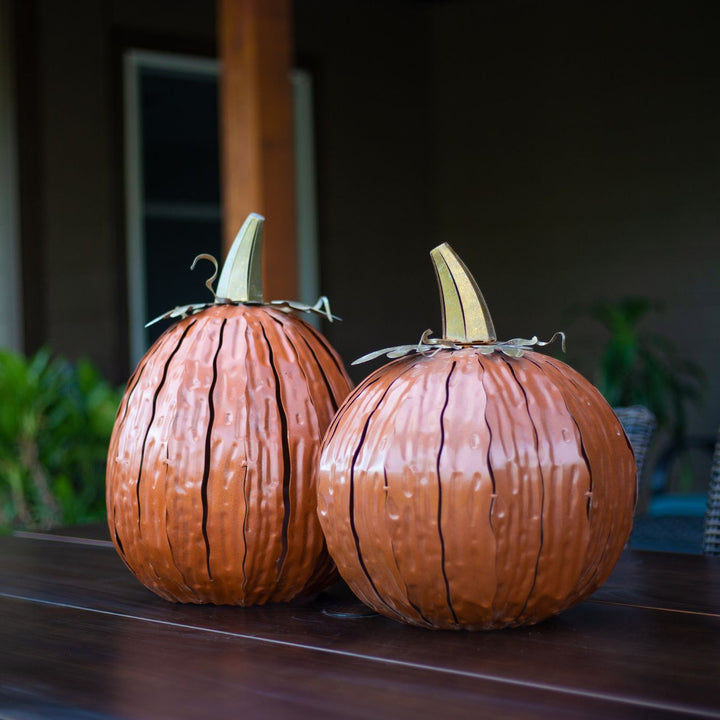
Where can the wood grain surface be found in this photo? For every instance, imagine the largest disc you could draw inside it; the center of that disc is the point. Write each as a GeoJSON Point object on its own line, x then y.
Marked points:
{"type": "Point", "coordinates": [80, 637]}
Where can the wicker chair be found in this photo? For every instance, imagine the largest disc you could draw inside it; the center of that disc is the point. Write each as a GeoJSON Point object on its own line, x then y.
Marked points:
{"type": "Point", "coordinates": [639, 424]}
{"type": "Point", "coordinates": [711, 532]}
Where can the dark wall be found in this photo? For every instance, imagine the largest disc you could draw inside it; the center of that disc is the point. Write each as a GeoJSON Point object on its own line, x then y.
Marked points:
{"type": "Point", "coordinates": [568, 151]}
{"type": "Point", "coordinates": [375, 168]}
{"type": "Point", "coordinates": [577, 158]}
{"type": "Point", "coordinates": [72, 166]}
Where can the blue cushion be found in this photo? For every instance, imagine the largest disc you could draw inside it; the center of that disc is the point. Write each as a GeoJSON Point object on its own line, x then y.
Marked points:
{"type": "Point", "coordinates": [678, 505]}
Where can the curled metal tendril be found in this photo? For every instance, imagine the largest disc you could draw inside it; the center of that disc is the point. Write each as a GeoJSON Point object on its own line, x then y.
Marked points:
{"type": "Point", "coordinates": [211, 280]}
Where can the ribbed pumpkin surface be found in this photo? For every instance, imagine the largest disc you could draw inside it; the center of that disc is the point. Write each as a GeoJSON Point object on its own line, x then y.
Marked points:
{"type": "Point", "coordinates": [211, 467]}
{"type": "Point", "coordinates": [475, 491]}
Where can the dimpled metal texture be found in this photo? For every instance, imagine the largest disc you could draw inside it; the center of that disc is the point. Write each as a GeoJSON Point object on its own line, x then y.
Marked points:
{"type": "Point", "coordinates": [211, 467]}
{"type": "Point", "coordinates": [469, 491]}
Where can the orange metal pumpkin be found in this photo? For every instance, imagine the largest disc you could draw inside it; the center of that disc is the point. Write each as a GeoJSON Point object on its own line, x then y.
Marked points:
{"type": "Point", "coordinates": [474, 484]}
{"type": "Point", "coordinates": [211, 467]}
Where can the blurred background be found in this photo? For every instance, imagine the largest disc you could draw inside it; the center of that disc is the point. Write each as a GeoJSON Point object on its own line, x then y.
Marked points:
{"type": "Point", "coordinates": [568, 151]}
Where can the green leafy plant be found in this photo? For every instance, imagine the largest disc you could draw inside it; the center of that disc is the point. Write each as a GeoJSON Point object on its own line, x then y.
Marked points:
{"type": "Point", "coordinates": [55, 423]}
{"type": "Point", "coordinates": [637, 367]}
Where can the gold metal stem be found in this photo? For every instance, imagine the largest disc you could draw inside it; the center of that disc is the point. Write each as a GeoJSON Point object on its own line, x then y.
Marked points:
{"type": "Point", "coordinates": [241, 276]}
{"type": "Point", "coordinates": [466, 318]}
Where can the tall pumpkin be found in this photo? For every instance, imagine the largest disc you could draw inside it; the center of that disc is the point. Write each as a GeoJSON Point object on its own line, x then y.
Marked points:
{"type": "Point", "coordinates": [211, 465]}
{"type": "Point", "coordinates": [474, 484]}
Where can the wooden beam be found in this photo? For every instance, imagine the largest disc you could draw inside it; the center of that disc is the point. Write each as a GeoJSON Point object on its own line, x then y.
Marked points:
{"type": "Point", "coordinates": [257, 155]}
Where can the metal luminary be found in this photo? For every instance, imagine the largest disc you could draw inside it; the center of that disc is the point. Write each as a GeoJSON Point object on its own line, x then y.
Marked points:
{"type": "Point", "coordinates": [211, 467]}
{"type": "Point", "coordinates": [473, 483]}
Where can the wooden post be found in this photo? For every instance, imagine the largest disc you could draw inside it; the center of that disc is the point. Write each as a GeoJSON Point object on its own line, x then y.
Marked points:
{"type": "Point", "coordinates": [256, 133]}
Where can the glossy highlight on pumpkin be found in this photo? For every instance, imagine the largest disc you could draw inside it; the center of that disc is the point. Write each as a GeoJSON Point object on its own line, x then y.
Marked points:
{"type": "Point", "coordinates": [211, 466]}
{"type": "Point", "coordinates": [475, 491]}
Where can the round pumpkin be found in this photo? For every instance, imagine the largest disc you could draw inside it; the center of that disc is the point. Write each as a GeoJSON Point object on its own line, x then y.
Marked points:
{"type": "Point", "coordinates": [211, 467]}
{"type": "Point", "coordinates": [474, 484]}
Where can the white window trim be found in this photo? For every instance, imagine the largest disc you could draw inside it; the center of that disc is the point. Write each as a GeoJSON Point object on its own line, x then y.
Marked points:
{"type": "Point", "coordinates": [135, 208]}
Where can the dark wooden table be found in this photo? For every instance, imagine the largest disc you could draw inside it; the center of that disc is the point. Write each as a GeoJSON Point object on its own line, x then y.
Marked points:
{"type": "Point", "coordinates": [81, 638]}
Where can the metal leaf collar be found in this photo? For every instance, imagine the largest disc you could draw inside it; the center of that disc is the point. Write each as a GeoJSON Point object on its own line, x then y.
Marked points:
{"type": "Point", "coordinates": [430, 346]}
{"type": "Point", "coordinates": [321, 307]}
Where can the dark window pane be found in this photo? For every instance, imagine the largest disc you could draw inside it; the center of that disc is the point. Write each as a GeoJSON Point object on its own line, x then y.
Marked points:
{"type": "Point", "coordinates": [180, 137]}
